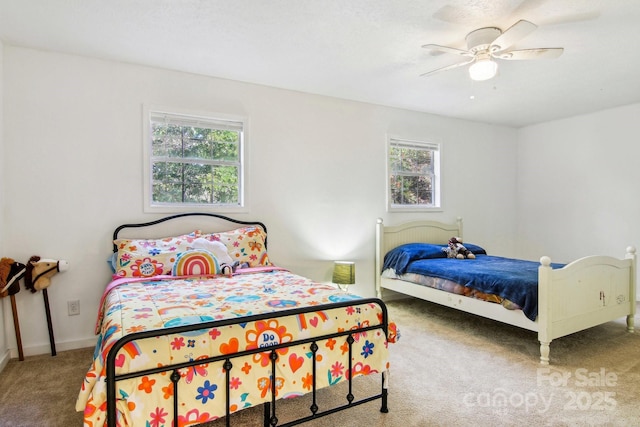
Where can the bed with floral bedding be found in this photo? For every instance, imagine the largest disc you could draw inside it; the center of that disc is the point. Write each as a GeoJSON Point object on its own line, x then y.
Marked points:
{"type": "Point", "coordinates": [182, 341]}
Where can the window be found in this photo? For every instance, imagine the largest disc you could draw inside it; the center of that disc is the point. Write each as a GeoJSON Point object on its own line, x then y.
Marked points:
{"type": "Point", "coordinates": [193, 161]}
{"type": "Point", "coordinates": [414, 175]}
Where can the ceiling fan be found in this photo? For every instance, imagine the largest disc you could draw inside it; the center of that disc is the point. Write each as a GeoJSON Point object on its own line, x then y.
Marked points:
{"type": "Point", "coordinates": [484, 45]}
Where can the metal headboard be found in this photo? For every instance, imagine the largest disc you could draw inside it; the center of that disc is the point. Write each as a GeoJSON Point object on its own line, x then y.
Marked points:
{"type": "Point", "coordinates": [171, 217]}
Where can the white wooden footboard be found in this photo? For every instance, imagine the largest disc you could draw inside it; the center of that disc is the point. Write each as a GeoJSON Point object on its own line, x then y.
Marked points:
{"type": "Point", "coordinates": [585, 293]}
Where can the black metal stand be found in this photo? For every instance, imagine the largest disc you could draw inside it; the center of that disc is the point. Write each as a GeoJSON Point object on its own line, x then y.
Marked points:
{"type": "Point", "coordinates": [45, 295]}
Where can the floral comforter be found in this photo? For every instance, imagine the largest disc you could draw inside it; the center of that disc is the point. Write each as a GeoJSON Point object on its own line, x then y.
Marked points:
{"type": "Point", "coordinates": [132, 305]}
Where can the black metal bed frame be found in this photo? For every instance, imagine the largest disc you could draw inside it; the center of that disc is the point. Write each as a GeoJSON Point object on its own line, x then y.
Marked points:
{"type": "Point", "coordinates": [270, 417]}
{"type": "Point", "coordinates": [182, 215]}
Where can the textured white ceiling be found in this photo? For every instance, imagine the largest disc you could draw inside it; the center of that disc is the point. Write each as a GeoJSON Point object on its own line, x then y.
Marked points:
{"type": "Point", "coordinates": [364, 50]}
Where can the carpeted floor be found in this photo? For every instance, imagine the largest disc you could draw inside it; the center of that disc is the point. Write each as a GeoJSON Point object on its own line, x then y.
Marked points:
{"type": "Point", "coordinates": [41, 390]}
{"type": "Point", "coordinates": [448, 369]}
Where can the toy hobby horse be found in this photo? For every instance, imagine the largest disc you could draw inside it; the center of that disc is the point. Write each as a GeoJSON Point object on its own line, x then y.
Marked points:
{"type": "Point", "coordinates": [39, 272]}
{"type": "Point", "coordinates": [10, 274]}
{"type": "Point", "coordinates": [38, 277]}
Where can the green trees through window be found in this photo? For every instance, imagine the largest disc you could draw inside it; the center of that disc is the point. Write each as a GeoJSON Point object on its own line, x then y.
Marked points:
{"type": "Point", "coordinates": [413, 174]}
{"type": "Point", "coordinates": [195, 161]}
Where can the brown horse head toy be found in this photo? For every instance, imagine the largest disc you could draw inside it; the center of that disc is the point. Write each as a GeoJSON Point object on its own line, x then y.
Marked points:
{"type": "Point", "coordinates": [39, 272]}
{"type": "Point", "coordinates": [10, 274]}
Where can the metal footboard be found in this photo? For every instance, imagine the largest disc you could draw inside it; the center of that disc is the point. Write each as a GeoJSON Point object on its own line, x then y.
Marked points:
{"type": "Point", "coordinates": [270, 414]}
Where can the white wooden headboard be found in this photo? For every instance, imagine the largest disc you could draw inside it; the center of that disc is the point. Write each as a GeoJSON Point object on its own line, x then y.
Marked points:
{"type": "Point", "coordinates": [389, 237]}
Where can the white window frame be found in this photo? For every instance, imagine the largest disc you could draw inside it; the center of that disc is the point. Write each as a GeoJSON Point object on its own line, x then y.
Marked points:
{"type": "Point", "coordinates": [432, 145]}
{"type": "Point", "coordinates": [189, 115]}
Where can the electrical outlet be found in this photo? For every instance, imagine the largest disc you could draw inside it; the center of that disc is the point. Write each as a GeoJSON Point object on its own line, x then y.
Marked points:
{"type": "Point", "coordinates": [73, 307]}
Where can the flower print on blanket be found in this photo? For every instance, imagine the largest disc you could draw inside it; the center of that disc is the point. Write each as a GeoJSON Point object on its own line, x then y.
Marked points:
{"type": "Point", "coordinates": [138, 305]}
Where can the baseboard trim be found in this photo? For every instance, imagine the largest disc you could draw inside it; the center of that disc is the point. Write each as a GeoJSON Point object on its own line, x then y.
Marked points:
{"type": "Point", "coordinates": [389, 295]}
{"type": "Point", "coordinates": [4, 359]}
{"type": "Point", "coordinates": [37, 350]}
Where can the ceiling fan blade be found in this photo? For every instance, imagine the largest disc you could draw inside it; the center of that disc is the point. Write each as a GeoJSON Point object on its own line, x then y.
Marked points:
{"type": "Point", "coordinates": [447, 49]}
{"type": "Point", "coordinates": [511, 36]}
{"type": "Point", "coordinates": [524, 54]}
{"type": "Point", "coordinates": [447, 68]}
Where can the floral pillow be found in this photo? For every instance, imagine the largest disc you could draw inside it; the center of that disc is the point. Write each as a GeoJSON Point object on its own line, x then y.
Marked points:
{"type": "Point", "coordinates": [150, 257]}
{"type": "Point", "coordinates": [246, 245]}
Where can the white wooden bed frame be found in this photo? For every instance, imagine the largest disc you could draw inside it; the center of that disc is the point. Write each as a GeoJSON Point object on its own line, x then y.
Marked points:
{"type": "Point", "coordinates": [585, 293]}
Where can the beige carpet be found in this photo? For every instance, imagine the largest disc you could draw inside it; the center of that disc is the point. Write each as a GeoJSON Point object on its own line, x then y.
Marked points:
{"type": "Point", "coordinates": [449, 369]}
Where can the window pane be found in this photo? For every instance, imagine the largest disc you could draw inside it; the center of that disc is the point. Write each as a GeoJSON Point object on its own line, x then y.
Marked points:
{"type": "Point", "coordinates": [411, 160]}
{"type": "Point", "coordinates": [164, 192]}
{"type": "Point", "coordinates": [193, 163]}
{"type": "Point", "coordinates": [167, 172]}
{"type": "Point", "coordinates": [411, 190]}
{"type": "Point", "coordinates": [395, 160]}
{"type": "Point", "coordinates": [412, 173]}
{"type": "Point", "coordinates": [195, 145]}
{"type": "Point", "coordinates": [423, 190]}
{"type": "Point", "coordinates": [225, 194]}
{"type": "Point", "coordinates": [226, 184]}
{"type": "Point", "coordinates": [227, 150]}
{"type": "Point", "coordinates": [166, 140]}
{"type": "Point", "coordinates": [197, 193]}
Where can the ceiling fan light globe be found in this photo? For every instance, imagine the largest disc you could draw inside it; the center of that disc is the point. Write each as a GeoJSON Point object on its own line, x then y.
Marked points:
{"type": "Point", "coordinates": [483, 69]}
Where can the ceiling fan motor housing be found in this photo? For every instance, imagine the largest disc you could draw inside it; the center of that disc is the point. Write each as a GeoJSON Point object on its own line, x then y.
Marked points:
{"type": "Point", "coordinates": [482, 38]}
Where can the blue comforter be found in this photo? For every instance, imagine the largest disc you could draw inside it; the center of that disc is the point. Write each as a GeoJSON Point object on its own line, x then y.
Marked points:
{"type": "Point", "coordinates": [513, 279]}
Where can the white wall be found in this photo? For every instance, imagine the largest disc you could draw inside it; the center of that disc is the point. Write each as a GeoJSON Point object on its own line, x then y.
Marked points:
{"type": "Point", "coordinates": [317, 173]}
{"type": "Point", "coordinates": [6, 320]}
{"type": "Point", "coordinates": [577, 185]}
{"type": "Point", "coordinates": [70, 171]}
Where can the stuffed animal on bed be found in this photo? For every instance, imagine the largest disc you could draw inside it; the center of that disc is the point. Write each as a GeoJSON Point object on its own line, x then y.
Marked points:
{"type": "Point", "coordinates": [218, 249]}
{"type": "Point", "coordinates": [456, 249]}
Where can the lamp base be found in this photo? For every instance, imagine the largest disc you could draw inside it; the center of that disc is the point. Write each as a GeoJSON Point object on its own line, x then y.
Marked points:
{"type": "Point", "coordinates": [342, 287]}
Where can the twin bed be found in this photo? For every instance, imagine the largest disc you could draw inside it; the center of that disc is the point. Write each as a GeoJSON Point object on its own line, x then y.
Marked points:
{"type": "Point", "coordinates": [188, 334]}
{"type": "Point", "coordinates": [557, 300]}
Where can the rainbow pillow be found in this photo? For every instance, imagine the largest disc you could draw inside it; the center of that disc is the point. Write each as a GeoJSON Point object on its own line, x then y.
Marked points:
{"type": "Point", "coordinates": [196, 262]}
